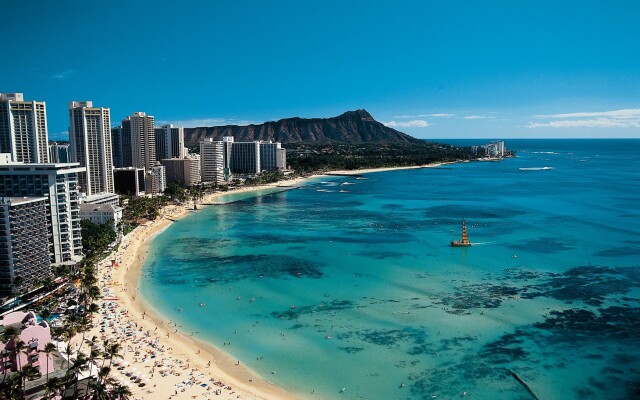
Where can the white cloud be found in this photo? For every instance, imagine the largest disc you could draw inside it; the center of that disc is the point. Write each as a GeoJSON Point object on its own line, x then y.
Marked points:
{"type": "Point", "coordinates": [586, 123]}
{"type": "Point", "coordinates": [440, 115]}
{"type": "Point", "coordinates": [477, 117]}
{"type": "Point", "coordinates": [201, 122]}
{"type": "Point", "coordinates": [626, 118]}
{"type": "Point", "coordinates": [59, 135]}
{"type": "Point", "coordinates": [633, 113]}
{"type": "Point", "coordinates": [416, 123]}
{"type": "Point", "coordinates": [64, 74]}
{"type": "Point", "coordinates": [409, 116]}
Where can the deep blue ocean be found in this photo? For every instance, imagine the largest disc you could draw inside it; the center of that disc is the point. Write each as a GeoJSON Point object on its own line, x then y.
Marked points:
{"type": "Point", "coordinates": [351, 283]}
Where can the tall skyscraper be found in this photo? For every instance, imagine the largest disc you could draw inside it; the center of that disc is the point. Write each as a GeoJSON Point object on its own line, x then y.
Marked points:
{"type": "Point", "coordinates": [90, 143]}
{"type": "Point", "coordinates": [139, 127]}
{"type": "Point", "coordinates": [23, 129]}
{"type": "Point", "coordinates": [169, 142]}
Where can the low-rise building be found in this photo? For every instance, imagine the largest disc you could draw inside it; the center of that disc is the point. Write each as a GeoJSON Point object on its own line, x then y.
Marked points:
{"type": "Point", "coordinates": [101, 198]}
{"type": "Point", "coordinates": [101, 214]}
{"type": "Point", "coordinates": [34, 334]}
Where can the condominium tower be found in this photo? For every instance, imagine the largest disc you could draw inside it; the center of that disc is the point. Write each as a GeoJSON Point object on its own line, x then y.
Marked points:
{"type": "Point", "coordinates": [139, 127]}
{"type": "Point", "coordinates": [23, 129]}
{"type": "Point", "coordinates": [90, 145]}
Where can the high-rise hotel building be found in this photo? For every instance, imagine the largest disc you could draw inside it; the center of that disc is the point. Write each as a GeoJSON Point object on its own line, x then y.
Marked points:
{"type": "Point", "coordinates": [249, 158]}
{"type": "Point", "coordinates": [212, 161]}
{"type": "Point", "coordinates": [139, 127]}
{"type": "Point", "coordinates": [58, 183]}
{"type": "Point", "coordinates": [90, 145]}
{"type": "Point", "coordinates": [244, 157]}
{"type": "Point", "coordinates": [272, 156]}
{"type": "Point", "coordinates": [121, 147]}
{"type": "Point", "coordinates": [169, 142]}
{"type": "Point", "coordinates": [23, 129]}
{"type": "Point", "coordinates": [24, 243]}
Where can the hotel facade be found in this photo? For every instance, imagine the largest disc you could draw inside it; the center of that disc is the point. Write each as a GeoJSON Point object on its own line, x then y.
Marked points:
{"type": "Point", "coordinates": [24, 243]}
{"type": "Point", "coordinates": [23, 129]}
{"type": "Point", "coordinates": [90, 145]}
{"type": "Point", "coordinates": [58, 183]}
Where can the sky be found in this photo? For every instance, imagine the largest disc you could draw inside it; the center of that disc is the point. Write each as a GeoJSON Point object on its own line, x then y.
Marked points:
{"type": "Point", "coordinates": [432, 69]}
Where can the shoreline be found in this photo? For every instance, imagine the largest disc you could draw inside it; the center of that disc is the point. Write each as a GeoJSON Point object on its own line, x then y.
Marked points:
{"type": "Point", "coordinates": [200, 357]}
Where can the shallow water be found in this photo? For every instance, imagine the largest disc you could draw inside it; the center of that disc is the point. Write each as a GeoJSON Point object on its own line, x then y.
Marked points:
{"type": "Point", "coordinates": [349, 283]}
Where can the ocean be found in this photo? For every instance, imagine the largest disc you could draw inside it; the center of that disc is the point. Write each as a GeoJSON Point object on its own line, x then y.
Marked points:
{"type": "Point", "coordinates": [347, 288]}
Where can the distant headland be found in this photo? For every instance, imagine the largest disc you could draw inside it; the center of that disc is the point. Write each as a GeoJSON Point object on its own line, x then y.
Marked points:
{"type": "Point", "coordinates": [348, 128]}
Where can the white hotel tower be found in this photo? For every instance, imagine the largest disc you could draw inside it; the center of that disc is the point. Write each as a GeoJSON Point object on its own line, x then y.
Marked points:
{"type": "Point", "coordinates": [23, 129]}
{"type": "Point", "coordinates": [90, 146]}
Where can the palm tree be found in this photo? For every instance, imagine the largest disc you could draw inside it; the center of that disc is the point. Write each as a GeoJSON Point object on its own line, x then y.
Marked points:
{"type": "Point", "coordinates": [104, 378]}
{"type": "Point", "coordinates": [12, 388]}
{"type": "Point", "coordinates": [48, 349]}
{"type": "Point", "coordinates": [99, 390]}
{"type": "Point", "coordinates": [80, 364]}
{"type": "Point", "coordinates": [120, 392]}
{"type": "Point", "coordinates": [68, 351]}
{"type": "Point", "coordinates": [93, 356]}
{"type": "Point", "coordinates": [19, 347]}
{"type": "Point", "coordinates": [10, 334]}
{"type": "Point", "coordinates": [29, 372]}
{"type": "Point", "coordinates": [113, 351]}
{"type": "Point", "coordinates": [52, 386]}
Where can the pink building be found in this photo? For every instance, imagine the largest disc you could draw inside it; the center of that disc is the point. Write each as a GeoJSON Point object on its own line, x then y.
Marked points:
{"type": "Point", "coordinates": [35, 336]}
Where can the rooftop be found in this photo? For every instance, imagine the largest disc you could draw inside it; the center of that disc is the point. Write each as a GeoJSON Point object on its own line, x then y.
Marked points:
{"type": "Point", "coordinates": [99, 208]}
{"type": "Point", "coordinates": [20, 200]}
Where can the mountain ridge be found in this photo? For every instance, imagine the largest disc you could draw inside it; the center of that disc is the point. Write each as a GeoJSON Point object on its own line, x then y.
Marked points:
{"type": "Point", "coordinates": [356, 126]}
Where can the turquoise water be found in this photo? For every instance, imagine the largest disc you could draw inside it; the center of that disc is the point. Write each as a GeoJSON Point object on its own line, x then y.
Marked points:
{"type": "Point", "coordinates": [320, 289]}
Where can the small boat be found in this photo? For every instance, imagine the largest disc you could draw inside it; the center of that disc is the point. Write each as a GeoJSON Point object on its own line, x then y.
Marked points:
{"type": "Point", "coordinates": [465, 239]}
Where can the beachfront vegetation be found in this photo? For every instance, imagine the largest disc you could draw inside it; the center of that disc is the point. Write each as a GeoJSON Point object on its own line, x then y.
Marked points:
{"type": "Point", "coordinates": [96, 238]}
{"type": "Point", "coordinates": [265, 178]}
{"type": "Point", "coordinates": [309, 158]}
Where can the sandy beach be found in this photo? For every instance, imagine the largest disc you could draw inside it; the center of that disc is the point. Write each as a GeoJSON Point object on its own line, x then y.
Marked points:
{"type": "Point", "coordinates": [159, 360]}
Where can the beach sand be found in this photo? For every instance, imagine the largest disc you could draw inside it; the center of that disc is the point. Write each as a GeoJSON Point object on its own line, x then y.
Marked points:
{"type": "Point", "coordinates": [171, 363]}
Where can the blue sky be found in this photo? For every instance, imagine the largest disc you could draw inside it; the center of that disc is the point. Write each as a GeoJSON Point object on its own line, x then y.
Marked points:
{"type": "Point", "coordinates": [433, 69]}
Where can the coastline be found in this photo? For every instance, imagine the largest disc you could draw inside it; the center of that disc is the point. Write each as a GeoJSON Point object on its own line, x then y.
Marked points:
{"type": "Point", "coordinates": [211, 363]}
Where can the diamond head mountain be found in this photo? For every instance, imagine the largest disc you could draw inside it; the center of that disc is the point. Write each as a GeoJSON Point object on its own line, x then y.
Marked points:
{"type": "Point", "coordinates": [351, 127]}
